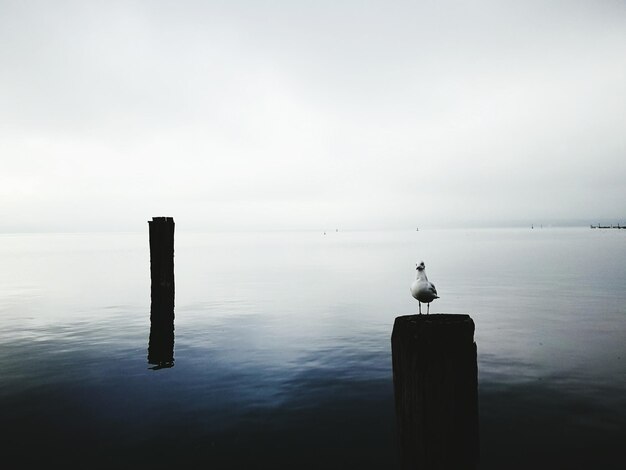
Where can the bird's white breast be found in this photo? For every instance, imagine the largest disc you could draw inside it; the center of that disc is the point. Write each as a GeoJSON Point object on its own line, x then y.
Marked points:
{"type": "Point", "coordinates": [421, 290]}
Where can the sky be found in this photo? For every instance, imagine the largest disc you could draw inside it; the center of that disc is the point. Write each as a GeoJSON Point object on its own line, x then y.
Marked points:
{"type": "Point", "coordinates": [313, 115]}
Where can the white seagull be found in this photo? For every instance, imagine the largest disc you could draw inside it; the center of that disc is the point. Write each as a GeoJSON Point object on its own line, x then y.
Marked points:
{"type": "Point", "coordinates": [422, 289]}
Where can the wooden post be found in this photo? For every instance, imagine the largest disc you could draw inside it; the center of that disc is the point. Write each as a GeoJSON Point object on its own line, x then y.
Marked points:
{"type": "Point", "coordinates": [161, 342]}
{"type": "Point", "coordinates": [435, 377]}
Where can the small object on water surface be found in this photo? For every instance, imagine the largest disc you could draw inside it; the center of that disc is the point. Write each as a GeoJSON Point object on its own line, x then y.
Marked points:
{"type": "Point", "coordinates": [422, 289]}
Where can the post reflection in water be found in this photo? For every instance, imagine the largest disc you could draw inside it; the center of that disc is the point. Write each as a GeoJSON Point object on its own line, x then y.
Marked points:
{"type": "Point", "coordinates": [161, 342]}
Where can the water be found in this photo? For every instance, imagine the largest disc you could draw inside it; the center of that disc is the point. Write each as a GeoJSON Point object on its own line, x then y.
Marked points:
{"type": "Point", "coordinates": [282, 353]}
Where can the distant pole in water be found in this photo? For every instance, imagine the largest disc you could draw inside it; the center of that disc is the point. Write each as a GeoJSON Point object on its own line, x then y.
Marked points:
{"type": "Point", "coordinates": [161, 342]}
{"type": "Point", "coordinates": [435, 377]}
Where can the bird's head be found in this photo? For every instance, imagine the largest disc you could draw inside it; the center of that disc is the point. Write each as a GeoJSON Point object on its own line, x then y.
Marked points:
{"type": "Point", "coordinates": [420, 267]}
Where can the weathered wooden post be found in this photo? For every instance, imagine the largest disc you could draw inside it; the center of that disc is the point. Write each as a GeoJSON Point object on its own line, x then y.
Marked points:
{"type": "Point", "coordinates": [435, 377]}
{"type": "Point", "coordinates": [161, 342]}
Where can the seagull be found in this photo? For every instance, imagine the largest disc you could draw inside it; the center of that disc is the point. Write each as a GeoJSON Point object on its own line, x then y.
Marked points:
{"type": "Point", "coordinates": [422, 289]}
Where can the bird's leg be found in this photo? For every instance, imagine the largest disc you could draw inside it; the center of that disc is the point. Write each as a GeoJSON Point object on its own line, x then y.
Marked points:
{"type": "Point", "coordinates": [420, 306]}
{"type": "Point", "coordinates": [428, 308]}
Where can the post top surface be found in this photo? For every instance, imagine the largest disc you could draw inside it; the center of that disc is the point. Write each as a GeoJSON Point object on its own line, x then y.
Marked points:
{"type": "Point", "coordinates": [162, 220]}
{"type": "Point", "coordinates": [436, 318]}
{"type": "Point", "coordinates": [445, 324]}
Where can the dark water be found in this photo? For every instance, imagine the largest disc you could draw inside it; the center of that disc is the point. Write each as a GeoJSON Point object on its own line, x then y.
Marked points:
{"type": "Point", "coordinates": [282, 354]}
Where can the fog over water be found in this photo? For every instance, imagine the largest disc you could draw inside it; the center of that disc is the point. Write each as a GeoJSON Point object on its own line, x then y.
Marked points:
{"type": "Point", "coordinates": [251, 115]}
{"type": "Point", "coordinates": [310, 153]}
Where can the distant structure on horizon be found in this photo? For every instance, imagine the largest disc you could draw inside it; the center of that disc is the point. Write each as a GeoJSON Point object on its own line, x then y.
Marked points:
{"type": "Point", "coordinates": [607, 226]}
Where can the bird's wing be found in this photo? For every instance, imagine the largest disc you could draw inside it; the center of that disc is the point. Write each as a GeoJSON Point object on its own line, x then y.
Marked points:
{"type": "Point", "coordinates": [433, 289]}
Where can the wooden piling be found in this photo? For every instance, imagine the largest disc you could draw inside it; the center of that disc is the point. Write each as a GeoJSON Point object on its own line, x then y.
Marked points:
{"type": "Point", "coordinates": [162, 260]}
{"type": "Point", "coordinates": [435, 376]}
{"type": "Point", "coordinates": [161, 342]}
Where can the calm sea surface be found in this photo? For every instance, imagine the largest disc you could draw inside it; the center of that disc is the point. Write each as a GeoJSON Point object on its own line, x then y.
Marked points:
{"type": "Point", "coordinates": [282, 353]}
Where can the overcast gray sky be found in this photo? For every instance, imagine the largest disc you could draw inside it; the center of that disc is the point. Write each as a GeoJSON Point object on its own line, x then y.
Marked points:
{"type": "Point", "coordinates": [237, 115]}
